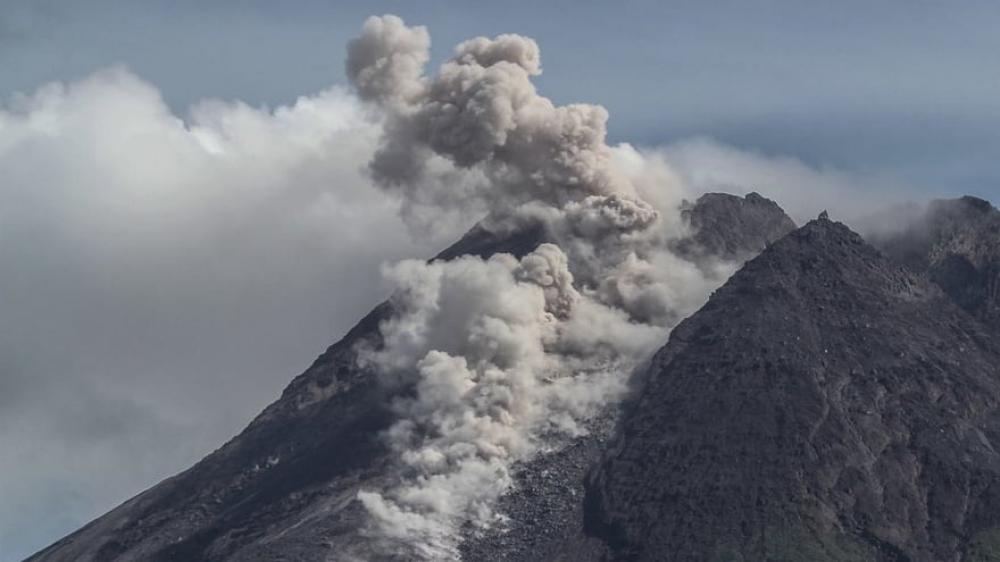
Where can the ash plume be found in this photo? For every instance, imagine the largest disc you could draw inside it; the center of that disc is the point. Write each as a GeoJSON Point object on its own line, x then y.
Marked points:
{"type": "Point", "coordinates": [482, 115]}
{"type": "Point", "coordinates": [498, 355]}
{"type": "Point", "coordinates": [493, 361]}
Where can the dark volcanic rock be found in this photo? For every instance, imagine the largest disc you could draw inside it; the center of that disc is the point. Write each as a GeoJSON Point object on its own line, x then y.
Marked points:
{"type": "Point", "coordinates": [731, 227]}
{"type": "Point", "coordinates": [545, 508]}
{"type": "Point", "coordinates": [957, 244]}
{"type": "Point", "coordinates": [825, 405]}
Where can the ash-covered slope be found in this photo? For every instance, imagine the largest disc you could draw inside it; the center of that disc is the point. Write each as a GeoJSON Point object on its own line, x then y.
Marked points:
{"type": "Point", "coordinates": [286, 487]}
{"type": "Point", "coordinates": [957, 244]}
{"type": "Point", "coordinates": [825, 405]}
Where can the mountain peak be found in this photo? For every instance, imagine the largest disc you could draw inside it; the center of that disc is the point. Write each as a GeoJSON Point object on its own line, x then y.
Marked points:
{"type": "Point", "coordinates": [824, 405]}
{"type": "Point", "coordinates": [971, 202]}
{"type": "Point", "coordinates": [825, 256]}
{"type": "Point", "coordinates": [732, 227]}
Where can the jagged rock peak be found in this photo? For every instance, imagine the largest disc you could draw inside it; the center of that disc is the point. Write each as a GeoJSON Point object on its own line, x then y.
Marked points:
{"type": "Point", "coordinates": [732, 227]}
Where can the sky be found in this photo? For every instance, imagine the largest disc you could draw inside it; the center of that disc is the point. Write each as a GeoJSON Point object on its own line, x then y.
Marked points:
{"type": "Point", "coordinates": [907, 88]}
{"type": "Point", "coordinates": [185, 223]}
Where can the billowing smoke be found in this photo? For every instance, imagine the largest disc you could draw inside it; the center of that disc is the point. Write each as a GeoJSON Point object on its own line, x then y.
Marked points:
{"type": "Point", "coordinates": [482, 114]}
{"type": "Point", "coordinates": [500, 355]}
{"type": "Point", "coordinates": [496, 360]}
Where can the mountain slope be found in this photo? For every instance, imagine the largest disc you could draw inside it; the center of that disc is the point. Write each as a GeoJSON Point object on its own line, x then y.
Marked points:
{"type": "Point", "coordinates": [286, 480]}
{"type": "Point", "coordinates": [957, 244]}
{"type": "Point", "coordinates": [285, 488]}
{"type": "Point", "coordinates": [824, 405]}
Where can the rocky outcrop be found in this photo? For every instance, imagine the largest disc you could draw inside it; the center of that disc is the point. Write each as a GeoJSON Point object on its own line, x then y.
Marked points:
{"type": "Point", "coordinates": [732, 228]}
{"type": "Point", "coordinates": [956, 243]}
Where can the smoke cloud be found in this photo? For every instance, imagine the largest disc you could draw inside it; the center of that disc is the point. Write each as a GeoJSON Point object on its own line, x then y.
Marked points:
{"type": "Point", "coordinates": [496, 360]}
{"type": "Point", "coordinates": [482, 114]}
{"type": "Point", "coordinates": [499, 354]}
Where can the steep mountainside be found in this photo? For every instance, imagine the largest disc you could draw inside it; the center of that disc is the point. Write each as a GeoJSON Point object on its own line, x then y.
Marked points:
{"type": "Point", "coordinates": [286, 487]}
{"type": "Point", "coordinates": [957, 244]}
{"type": "Point", "coordinates": [824, 405]}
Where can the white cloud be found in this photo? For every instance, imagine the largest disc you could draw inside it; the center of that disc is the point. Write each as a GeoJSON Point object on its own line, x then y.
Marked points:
{"type": "Point", "coordinates": [803, 191]}
{"type": "Point", "coordinates": [163, 278]}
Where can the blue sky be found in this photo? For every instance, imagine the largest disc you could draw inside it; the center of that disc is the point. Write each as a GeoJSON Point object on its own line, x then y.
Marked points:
{"type": "Point", "coordinates": [910, 89]}
{"type": "Point", "coordinates": [130, 347]}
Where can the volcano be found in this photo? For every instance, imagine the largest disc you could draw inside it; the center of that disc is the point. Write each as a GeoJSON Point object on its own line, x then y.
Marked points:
{"type": "Point", "coordinates": [830, 402]}
{"type": "Point", "coordinates": [286, 487]}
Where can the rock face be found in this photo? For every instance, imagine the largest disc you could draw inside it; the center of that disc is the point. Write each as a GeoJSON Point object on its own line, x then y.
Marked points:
{"type": "Point", "coordinates": [826, 404]}
{"type": "Point", "coordinates": [285, 488]}
{"type": "Point", "coordinates": [732, 227]}
{"type": "Point", "coordinates": [957, 244]}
